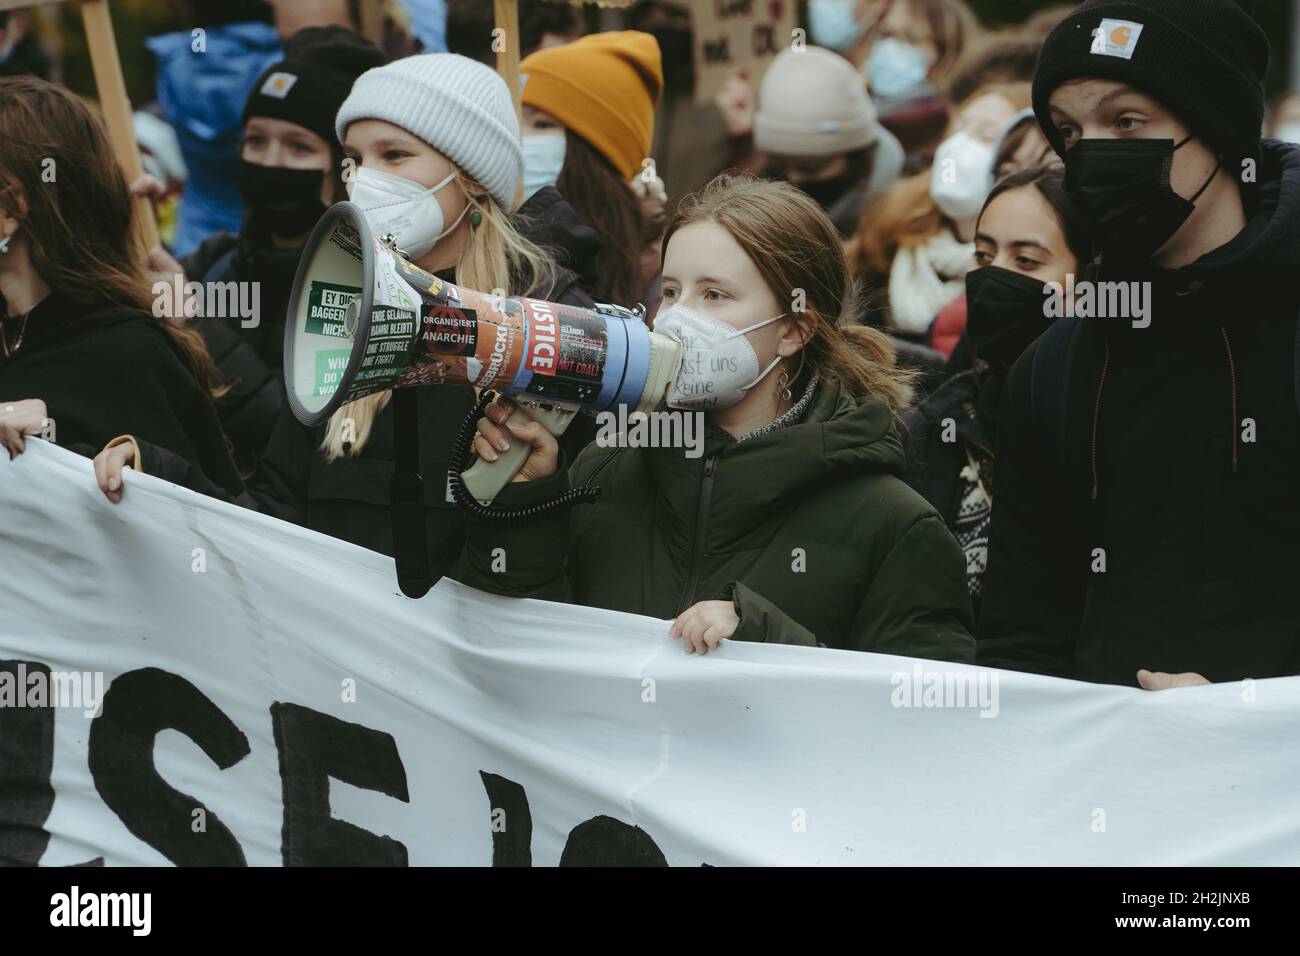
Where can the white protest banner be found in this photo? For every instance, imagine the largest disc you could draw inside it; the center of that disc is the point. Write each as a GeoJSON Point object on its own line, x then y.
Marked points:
{"type": "Point", "coordinates": [268, 697]}
{"type": "Point", "coordinates": [729, 34]}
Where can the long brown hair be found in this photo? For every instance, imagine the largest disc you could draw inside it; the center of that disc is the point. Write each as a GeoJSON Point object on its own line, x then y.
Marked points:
{"type": "Point", "coordinates": [60, 180]}
{"type": "Point", "coordinates": [603, 201]}
{"type": "Point", "coordinates": [796, 247]}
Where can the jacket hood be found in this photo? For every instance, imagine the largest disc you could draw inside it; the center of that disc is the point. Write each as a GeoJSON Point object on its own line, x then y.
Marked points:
{"type": "Point", "coordinates": [839, 433]}
{"type": "Point", "coordinates": [756, 479]}
{"type": "Point", "coordinates": [548, 220]}
{"type": "Point", "coordinates": [204, 92]}
{"type": "Point", "coordinates": [1271, 240]}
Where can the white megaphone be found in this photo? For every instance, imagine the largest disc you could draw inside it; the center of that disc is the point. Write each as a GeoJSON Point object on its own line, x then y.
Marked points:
{"type": "Point", "coordinates": [362, 319]}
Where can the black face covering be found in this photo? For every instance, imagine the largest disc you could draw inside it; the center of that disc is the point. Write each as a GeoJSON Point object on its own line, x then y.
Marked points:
{"type": "Point", "coordinates": [286, 201]}
{"type": "Point", "coordinates": [1122, 186]}
{"type": "Point", "coordinates": [827, 192]}
{"type": "Point", "coordinates": [1004, 314]}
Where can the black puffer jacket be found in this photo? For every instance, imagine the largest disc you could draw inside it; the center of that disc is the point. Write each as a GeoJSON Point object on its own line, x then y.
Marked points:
{"type": "Point", "coordinates": [103, 371]}
{"type": "Point", "coordinates": [248, 352]}
{"type": "Point", "coordinates": [1157, 525]}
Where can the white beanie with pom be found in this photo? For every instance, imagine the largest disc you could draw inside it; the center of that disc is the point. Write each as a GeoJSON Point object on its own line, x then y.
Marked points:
{"type": "Point", "coordinates": [458, 106]}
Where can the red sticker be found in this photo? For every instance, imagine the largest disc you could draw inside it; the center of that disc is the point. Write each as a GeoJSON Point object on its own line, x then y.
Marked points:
{"type": "Point", "coordinates": [543, 338]}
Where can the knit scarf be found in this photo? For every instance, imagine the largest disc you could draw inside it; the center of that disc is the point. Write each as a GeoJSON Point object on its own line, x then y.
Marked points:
{"type": "Point", "coordinates": [925, 278]}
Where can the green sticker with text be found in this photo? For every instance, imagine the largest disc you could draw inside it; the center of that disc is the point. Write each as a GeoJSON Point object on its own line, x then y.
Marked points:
{"type": "Point", "coordinates": [327, 307]}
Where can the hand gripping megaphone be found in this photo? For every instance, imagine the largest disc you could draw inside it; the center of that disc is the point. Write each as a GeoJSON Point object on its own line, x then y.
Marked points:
{"type": "Point", "coordinates": [362, 318]}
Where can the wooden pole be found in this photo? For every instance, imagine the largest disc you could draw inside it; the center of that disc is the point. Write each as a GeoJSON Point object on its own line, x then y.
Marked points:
{"type": "Point", "coordinates": [507, 43]}
{"type": "Point", "coordinates": [372, 22]}
{"type": "Point", "coordinates": [506, 13]}
{"type": "Point", "coordinates": [116, 107]}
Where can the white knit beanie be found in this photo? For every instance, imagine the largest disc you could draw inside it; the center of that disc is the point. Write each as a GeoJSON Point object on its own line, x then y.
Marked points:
{"type": "Point", "coordinates": [812, 102]}
{"type": "Point", "coordinates": [458, 106]}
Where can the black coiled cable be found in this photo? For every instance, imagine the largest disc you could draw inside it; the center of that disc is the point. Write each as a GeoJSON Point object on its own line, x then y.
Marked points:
{"type": "Point", "coordinates": [501, 516]}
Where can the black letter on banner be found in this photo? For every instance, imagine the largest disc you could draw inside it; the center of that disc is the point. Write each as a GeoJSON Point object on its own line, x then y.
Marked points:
{"type": "Point", "coordinates": [513, 845]}
{"type": "Point", "coordinates": [314, 747]}
{"type": "Point", "coordinates": [604, 841]}
{"type": "Point", "coordinates": [26, 761]}
{"type": "Point", "coordinates": [137, 707]}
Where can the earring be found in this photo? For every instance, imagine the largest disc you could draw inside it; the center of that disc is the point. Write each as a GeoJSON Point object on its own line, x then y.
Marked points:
{"type": "Point", "coordinates": [4, 244]}
{"type": "Point", "coordinates": [783, 385]}
{"type": "Point", "coordinates": [475, 218]}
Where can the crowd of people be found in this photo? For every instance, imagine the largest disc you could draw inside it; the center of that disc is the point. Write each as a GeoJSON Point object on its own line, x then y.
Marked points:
{"type": "Point", "coordinates": [924, 253]}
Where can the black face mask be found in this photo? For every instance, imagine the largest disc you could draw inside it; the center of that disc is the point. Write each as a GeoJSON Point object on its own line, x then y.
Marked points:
{"type": "Point", "coordinates": [827, 192]}
{"type": "Point", "coordinates": [1122, 186]}
{"type": "Point", "coordinates": [286, 201]}
{"type": "Point", "coordinates": [1004, 314]}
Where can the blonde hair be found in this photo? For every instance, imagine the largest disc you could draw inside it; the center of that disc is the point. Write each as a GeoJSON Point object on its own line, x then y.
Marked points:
{"type": "Point", "coordinates": [495, 257]}
{"type": "Point", "coordinates": [795, 246]}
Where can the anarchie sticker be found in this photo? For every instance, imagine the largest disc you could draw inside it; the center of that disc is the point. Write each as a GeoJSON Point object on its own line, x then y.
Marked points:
{"type": "Point", "coordinates": [451, 331]}
{"type": "Point", "coordinates": [1116, 38]}
{"type": "Point", "coordinates": [327, 308]}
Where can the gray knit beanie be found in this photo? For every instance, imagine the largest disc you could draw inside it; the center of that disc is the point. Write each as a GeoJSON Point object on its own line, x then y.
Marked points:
{"type": "Point", "coordinates": [458, 106]}
{"type": "Point", "coordinates": [812, 102]}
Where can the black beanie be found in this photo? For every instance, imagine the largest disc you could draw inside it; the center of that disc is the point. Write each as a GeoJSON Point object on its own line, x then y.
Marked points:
{"type": "Point", "coordinates": [1205, 60]}
{"type": "Point", "coordinates": [309, 85]}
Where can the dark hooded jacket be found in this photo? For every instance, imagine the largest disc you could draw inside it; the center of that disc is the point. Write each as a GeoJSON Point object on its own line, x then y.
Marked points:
{"type": "Point", "coordinates": [1155, 523]}
{"type": "Point", "coordinates": [104, 371]}
{"type": "Point", "coordinates": [934, 459]}
{"type": "Point", "coordinates": [806, 529]}
{"type": "Point", "coordinates": [248, 351]}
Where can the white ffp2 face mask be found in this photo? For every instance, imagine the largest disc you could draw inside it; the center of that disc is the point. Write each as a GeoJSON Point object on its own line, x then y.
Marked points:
{"type": "Point", "coordinates": [719, 364]}
{"type": "Point", "coordinates": [403, 207]}
{"type": "Point", "coordinates": [962, 176]}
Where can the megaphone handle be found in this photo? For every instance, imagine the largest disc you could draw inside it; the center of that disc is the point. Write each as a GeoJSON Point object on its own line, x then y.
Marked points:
{"type": "Point", "coordinates": [484, 479]}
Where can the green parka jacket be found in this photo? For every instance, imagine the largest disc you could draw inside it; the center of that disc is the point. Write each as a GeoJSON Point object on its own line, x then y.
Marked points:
{"type": "Point", "coordinates": [806, 529]}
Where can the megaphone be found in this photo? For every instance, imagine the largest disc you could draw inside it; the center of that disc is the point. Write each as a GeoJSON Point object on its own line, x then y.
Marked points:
{"type": "Point", "coordinates": [362, 318]}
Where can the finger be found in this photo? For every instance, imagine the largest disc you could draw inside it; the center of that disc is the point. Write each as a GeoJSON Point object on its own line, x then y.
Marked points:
{"type": "Point", "coordinates": [1157, 680]}
{"type": "Point", "coordinates": [694, 632]}
{"type": "Point", "coordinates": [532, 432]}
{"type": "Point", "coordinates": [501, 409]}
{"type": "Point", "coordinates": [113, 472]}
{"type": "Point", "coordinates": [680, 622]}
{"type": "Point", "coordinates": [484, 449]}
{"type": "Point", "coordinates": [712, 636]}
{"type": "Point", "coordinates": [493, 435]}
{"type": "Point", "coordinates": [101, 474]}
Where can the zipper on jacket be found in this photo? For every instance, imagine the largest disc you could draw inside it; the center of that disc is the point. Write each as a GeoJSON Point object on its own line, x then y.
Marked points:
{"type": "Point", "coordinates": [701, 528]}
